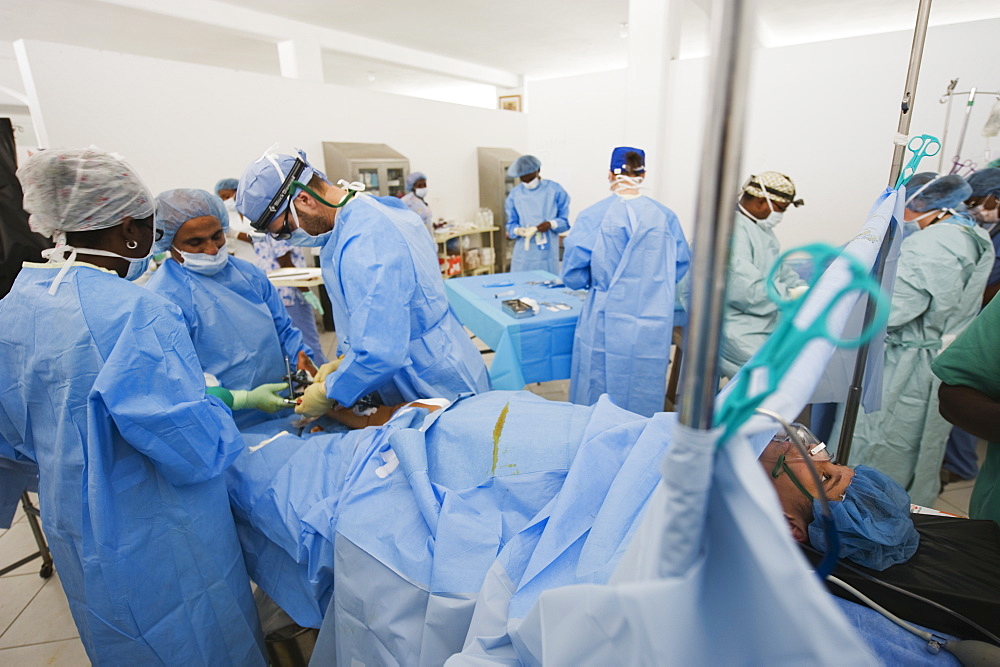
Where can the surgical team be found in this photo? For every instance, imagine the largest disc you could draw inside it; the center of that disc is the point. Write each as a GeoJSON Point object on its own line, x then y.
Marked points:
{"type": "Point", "coordinates": [134, 401]}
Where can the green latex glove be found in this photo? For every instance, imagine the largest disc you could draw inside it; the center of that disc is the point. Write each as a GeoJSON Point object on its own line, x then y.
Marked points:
{"type": "Point", "coordinates": [313, 301]}
{"type": "Point", "coordinates": [264, 398]}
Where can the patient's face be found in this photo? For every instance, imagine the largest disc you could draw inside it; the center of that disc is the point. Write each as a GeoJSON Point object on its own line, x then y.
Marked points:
{"type": "Point", "coordinates": [796, 506]}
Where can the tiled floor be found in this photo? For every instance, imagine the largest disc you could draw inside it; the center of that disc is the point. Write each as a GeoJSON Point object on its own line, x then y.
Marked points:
{"type": "Point", "coordinates": [35, 624]}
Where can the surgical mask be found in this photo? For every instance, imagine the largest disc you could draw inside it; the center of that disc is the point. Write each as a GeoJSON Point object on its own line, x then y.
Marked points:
{"type": "Point", "coordinates": [913, 226]}
{"type": "Point", "coordinates": [136, 265]}
{"type": "Point", "coordinates": [203, 263]}
{"type": "Point", "coordinates": [420, 192]}
{"type": "Point", "coordinates": [771, 221]}
{"type": "Point", "coordinates": [985, 216]}
{"type": "Point", "coordinates": [304, 239]}
{"type": "Point", "coordinates": [531, 185]}
{"type": "Point", "coordinates": [230, 205]}
{"type": "Point", "coordinates": [623, 182]}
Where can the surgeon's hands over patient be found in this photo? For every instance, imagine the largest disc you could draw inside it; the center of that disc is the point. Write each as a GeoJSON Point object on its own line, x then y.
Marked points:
{"type": "Point", "coordinates": [264, 398]}
{"type": "Point", "coordinates": [314, 401]}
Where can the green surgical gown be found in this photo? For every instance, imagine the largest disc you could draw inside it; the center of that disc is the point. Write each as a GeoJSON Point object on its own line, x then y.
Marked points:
{"type": "Point", "coordinates": [938, 289]}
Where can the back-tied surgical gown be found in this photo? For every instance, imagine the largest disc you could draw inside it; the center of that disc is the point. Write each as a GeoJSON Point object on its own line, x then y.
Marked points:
{"type": "Point", "coordinates": [99, 385]}
{"type": "Point", "coordinates": [530, 208]}
{"type": "Point", "coordinates": [938, 291]}
{"type": "Point", "coordinates": [630, 253]}
{"type": "Point", "coordinates": [394, 324]}
{"type": "Point", "coordinates": [750, 317]}
{"type": "Point", "coordinates": [240, 329]}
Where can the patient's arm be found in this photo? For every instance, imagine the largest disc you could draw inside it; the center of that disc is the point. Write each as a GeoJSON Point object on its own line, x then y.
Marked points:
{"type": "Point", "coordinates": [382, 414]}
{"type": "Point", "coordinates": [971, 410]}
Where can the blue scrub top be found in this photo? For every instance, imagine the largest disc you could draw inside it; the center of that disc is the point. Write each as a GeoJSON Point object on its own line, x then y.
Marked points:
{"type": "Point", "coordinates": [101, 387]}
{"type": "Point", "coordinates": [239, 326]}
{"type": "Point", "coordinates": [529, 208]}
{"type": "Point", "coordinates": [394, 323]}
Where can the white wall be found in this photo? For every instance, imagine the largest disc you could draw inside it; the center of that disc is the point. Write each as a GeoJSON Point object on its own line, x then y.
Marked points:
{"type": "Point", "coordinates": [824, 113]}
{"type": "Point", "coordinates": [186, 125]}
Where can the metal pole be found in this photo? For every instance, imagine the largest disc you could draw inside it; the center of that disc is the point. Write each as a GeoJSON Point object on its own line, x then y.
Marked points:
{"type": "Point", "coordinates": [717, 186]}
{"type": "Point", "coordinates": [909, 95]}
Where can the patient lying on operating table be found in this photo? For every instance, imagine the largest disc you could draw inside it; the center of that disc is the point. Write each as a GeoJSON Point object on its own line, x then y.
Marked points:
{"type": "Point", "coordinates": [391, 530]}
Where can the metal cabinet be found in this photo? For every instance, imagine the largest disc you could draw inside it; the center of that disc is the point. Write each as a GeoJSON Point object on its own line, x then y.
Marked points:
{"type": "Point", "coordinates": [382, 169]}
{"type": "Point", "coordinates": [494, 186]}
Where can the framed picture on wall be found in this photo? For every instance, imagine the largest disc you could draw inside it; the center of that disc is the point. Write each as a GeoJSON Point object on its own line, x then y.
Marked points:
{"type": "Point", "coordinates": [510, 102]}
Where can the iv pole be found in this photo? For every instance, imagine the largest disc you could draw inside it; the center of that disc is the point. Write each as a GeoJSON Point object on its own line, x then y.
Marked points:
{"type": "Point", "coordinates": [906, 106]}
{"type": "Point", "coordinates": [722, 144]}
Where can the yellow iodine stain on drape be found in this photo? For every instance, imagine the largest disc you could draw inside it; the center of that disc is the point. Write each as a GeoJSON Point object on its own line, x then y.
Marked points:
{"type": "Point", "coordinates": [497, 430]}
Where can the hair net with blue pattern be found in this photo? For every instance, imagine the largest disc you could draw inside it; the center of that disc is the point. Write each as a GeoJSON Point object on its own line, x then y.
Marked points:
{"type": "Point", "coordinates": [985, 182]}
{"type": "Point", "coordinates": [526, 164]}
{"type": "Point", "coordinates": [412, 178]}
{"type": "Point", "coordinates": [873, 521]}
{"type": "Point", "coordinates": [928, 192]}
{"type": "Point", "coordinates": [175, 207]}
{"type": "Point", "coordinates": [80, 190]}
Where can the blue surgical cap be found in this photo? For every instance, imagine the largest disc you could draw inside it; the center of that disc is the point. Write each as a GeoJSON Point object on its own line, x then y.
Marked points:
{"type": "Point", "coordinates": [261, 180]}
{"type": "Point", "coordinates": [226, 184]}
{"type": "Point", "coordinates": [526, 164]}
{"type": "Point", "coordinates": [618, 163]}
{"type": "Point", "coordinates": [927, 192]}
{"type": "Point", "coordinates": [985, 182]}
{"type": "Point", "coordinates": [873, 521]}
{"type": "Point", "coordinates": [412, 178]}
{"type": "Point", "coordinates": [175, 207]}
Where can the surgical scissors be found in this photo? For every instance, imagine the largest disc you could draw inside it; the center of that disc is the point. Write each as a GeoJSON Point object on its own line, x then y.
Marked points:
{"type": "Point", "coordinates": [760, 377]}
{"type": "Point", "coordinates": [924, 145]}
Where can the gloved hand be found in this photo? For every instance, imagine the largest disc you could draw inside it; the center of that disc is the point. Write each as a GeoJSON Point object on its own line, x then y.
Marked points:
{"type": "Point", "coordinates": [313, 301]}
{"type": "Point", "coordinates": [796, 292]}
{"type": "Point", "coordinates": [327, 368]}
{"type": "Point", "coordinates": [526, 232]}
{"type": "Point", "coordinates": [265, 398]}
{"type": "Point", "coordinates": [314, 402]}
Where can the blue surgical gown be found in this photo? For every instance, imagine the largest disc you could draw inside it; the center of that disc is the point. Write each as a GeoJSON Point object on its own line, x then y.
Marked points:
{"type": "Point", "coordinates": [629, 253]}
{"type": "Point", "coordinates": [100, 385]}
{"type": "Point", "coordinates": [530, 208]}
{"type": "Point", "coordinates": [240, 329]}
{"type": "Point", "coordinates": [394, 324]}
{"type": "Point", "coordinates": [750, 316]}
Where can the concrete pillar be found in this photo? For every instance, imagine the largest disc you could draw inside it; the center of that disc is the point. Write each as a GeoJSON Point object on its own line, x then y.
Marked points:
{"type": "Point", "coordinates": [654, 41]}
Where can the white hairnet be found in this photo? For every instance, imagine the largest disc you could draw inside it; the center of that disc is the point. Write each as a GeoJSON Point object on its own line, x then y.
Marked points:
{"type": "Point", "coordinates": [81, 189]}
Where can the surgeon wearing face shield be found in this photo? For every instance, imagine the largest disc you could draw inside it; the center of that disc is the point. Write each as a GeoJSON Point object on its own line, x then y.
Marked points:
{"type": "Point", "coordinates": [749, 315]}
{"type": "Point", "coordinates": [944, 261]}
{"type": "Point", "coordinates": [537, 212]}
{"type": "Point", "coordinates": [629, 252]}
{"type": "Point", "coordinates": [396, 333]}
{"type": "Point", "coordinates": [983, 206]}
{"type": "Point", "coordinates": [101, 387]}
{"type": "Point", "coordinates": [240, 328]}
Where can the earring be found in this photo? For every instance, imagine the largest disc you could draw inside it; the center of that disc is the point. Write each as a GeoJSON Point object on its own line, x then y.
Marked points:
{"type": "Point", "coordinates": [131, 245]}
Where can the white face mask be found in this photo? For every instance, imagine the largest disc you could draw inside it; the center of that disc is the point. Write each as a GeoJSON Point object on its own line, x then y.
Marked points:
{"type": "Point", "coordinates": [420, 192]}
{"type": "Point", "coordinates": [230, 205]}
{"type": "Point", "coordinates": [986, 216]}
{"type": "Point", "coordinates": [772, 220]}
{"type": "Point", "coordinates": [531, 185]}
{"type": "Point", "coordinates": [203, 263]}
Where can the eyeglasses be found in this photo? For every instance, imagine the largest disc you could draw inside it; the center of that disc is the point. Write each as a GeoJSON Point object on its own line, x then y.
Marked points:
{"type": "Point", "coordinates": [284, 193]}
{"type": "Point", "coordinates": [157, 232]}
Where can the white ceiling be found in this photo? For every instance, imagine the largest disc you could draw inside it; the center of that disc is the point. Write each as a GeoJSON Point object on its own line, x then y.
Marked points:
{"type": "Point", "coordinates": [531, 38]}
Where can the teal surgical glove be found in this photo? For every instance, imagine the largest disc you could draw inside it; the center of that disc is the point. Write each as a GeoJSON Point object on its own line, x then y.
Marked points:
{"type": "Point", "coordinates": [264, 398]}
{"type": "Point", "coordinates": [313, 301]}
